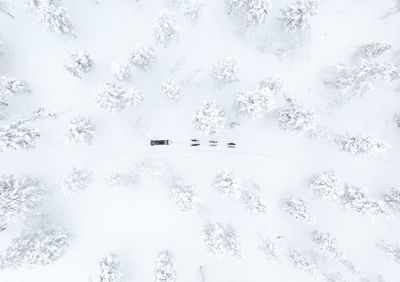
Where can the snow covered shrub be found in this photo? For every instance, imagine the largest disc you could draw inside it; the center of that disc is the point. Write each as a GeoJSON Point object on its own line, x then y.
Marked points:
{"type": "Point", "coordinates": [356, 199]}
{"type": "Point", "coordinates": [297, 16]}
{"type": "Point", "coordinates": [114, 98]}
{"type": "Point", "coordinates": [372, 50]}
{"type": "Point", "coordinates": [271, 251]}
{"type": "Point", "coordinates": [391, 251]}
{"type": "Point", "coordinates": [165, 28]}
{"type": "Point", "coordinates": [228, 185]}
{"type": "Point", "coordinates": [356, 80]}
{"type": "Point", "coordinates": [302, 262]}
{"type": "Point", "coordinates": [119, 179]}
{"type": "Point", "coordinates": [80, 130]}
{"type": "Point", "coordinates": [252, 11]}
{"type": "Point", "coordinates": [297, 209]}
{"type": "Point", "coordinates": [19, 196]}
{"type": "Point", "coordinates": [36, 247]}
{"type": "Point", "coordinates": [297, 118]}
{"type": "Point", "coordinates": [253, 203]}
{"type": "Point", "coordinates": [253, 104]}
{"type": "Point", "coordinates": [185, 196]}
{"type": "Point", "coordinates": [16, 136]}
{"type": "Point", "coordinates": [326, 185]}
{"type": "Point", "coordinates": [10, 86]}
{"type": "Point", "coordinates": [360, 144]}
{"type": "Point", "coordinates": [164, 269]}
{"type": "Point", "coordinates": [120, 69]}
{"type": "Point", "coordinates": [334, 277]}
{"type": "Point", "coordinates": [210, 118]}
{"type": "Point", "coordinates": [193, 10]}
{"type": "Point", "coordinates": [108, 269]}
{"type": "Point", "coordinates": [392, 199]}
{"type": "Point", "coordinates": [52, 15]}
{"type": "Point", "coordinates": [327, 244]}
{"type": "Point", "coordinates": [271, 83]}
{"type": "Point", "coordinates": [222, 240]}
{"type": "Point", "coordinates": [397, 120]}
{"type": "Point", "coordinates": [76, 181]}
{"type": "Point", "coordinates": [79, 62]}
{"type": "Point", "coordinates": [142, 57]}
{"type": "Point", "coordinates": [225, 71]}
{"type": "Point", "coordinates": [172, 90]}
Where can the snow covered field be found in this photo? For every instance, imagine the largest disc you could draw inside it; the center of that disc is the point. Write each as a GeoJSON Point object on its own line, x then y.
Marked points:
{"type": "Point", "coordinates": [308, 91]}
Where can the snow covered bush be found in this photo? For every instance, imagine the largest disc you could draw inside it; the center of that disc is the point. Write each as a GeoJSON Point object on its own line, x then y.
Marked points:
{"type": "Point", "coordinates": [334, 277]}
{"type": "Point", "coordinates": [19, 196]}
{"type": "Point", "coordinates": [52, 15]}
{"type": "Point", "coordinates": [79, 62]}
{"type": "Point", "coordinates": [391, 251]}
{"type": "Point", "coordinates": [114, 98]}
{"type": "Point", "coordinates": [271, 251]}
{"type": "Point", "coordinates": [297, 118]}
{"type": "Point", "coordinates": [120, 69]}
{"type": "Point", "coordinates": [222, 240]}
{"type": "Point", "coordinates": [119, 179]}
{"type": "Point", "coordinates": [193, 10]}
{"type": "Point", "coordinates": [302, 262]}
{"type": "Point", "coordinates": [227, 185]}
{"type": "Point", "coordinates": [36, 247]}
{"type": "Point", "coordinates": [17, 136]}
{"type": "Point", "coordinates": [108, 270]}
{"type": "Point", "coordinates": [372, 50]}
{"type": "Point", "coordinates": [392, 199]}
{"type": "Point", "coordinates": [253, 203]}
{"type": "Point", "coordinates": [10, 86]}
{"type": "Point", "coordinates": [185, 196]}
{"type": "Point", "coordinates": [253, 12]}
{"type": "Point", "coordinates": [76, 181]}
{"type": "Point", "coordinates": [327, 244]}
{"type": "Point", "coordinates": [80, 130]}
{"type": "Point", "coordinates": [297, 209]}
{"type": "Point", "coordinates": [360, 144]}
{"type": "Point", "coordinates": [164, 269]}
{"type": "Point", "coordinates": [397, 120]}
{"type": "Point", "coordinates": [165, 28]}
{"type": "Point", "coordinates": [172, 90]}
{"type": "Point", "coordinates": [325, 185]}
{"type": "Point", "coordinates": [225, 71]}
{"type": "Point", "coordinates": [296, 17]}
{"type": "Point", "coordinates": [209, 119]}
{"type": "Point", "coordinates": [353, 81]}
{"type": "Point", "coordinates": [142, 57]}
{"type": "Point", "coordinates": [253, 104]}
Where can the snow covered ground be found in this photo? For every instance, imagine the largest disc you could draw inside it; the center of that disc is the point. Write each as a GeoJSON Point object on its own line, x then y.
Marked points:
{"type": "Point", "coordinates": [277, 152]}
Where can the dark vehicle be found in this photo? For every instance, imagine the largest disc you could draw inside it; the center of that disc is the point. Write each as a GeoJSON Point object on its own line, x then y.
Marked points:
{"type": "Point", "coordinates": [159, 142]}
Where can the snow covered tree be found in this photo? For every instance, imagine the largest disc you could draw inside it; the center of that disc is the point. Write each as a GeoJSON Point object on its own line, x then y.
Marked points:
{"type": "Point", "coordinates": [353, 81]}
{"type": "Point", "coordinates": [193, 10]}
{"type": "Point", "coordinates": [19, 196]}
{"type": "Point", "coordinates": [296, 17]}
{"type": "Point", "coordinates": [78, 62]}
{"type": "Point", "coordinates": [114, 98]}
{"type": "Point", "coordinates": [225, 71]}
{"type": "Point", "coordinates": [80, 130]}
{"type": "Point", "coordinates": [302, 262]}
{"type": "Point", "coordinates": [185, 196]}
{"type": "Point", "coordinates": [36, 247]}
{"type": "Point", "coordinates": [391, 251]}
{"type": "Point", "coordinates": [222, 240]}
{"type": "Point", "coordinates": [210, 118]}
{"type": "Point", "coordinates": [227, 185]}
{"type": "Point", "coordinates": [142, 57]}
{"type": "Point", "coordinates": [271, 251]}
{"type": "Point", "coordinates": [356, 199]}
{"type": "Point", "coordinates": [108, 269]}
{"type": "Point", "coordinates": [10, 86]}
{"type": "Point", "coordinates": [392, 199]}
{"type": "Point", "coordinates": [372, 50]}
{"type": "Point", "coordinates": [297, 118]}
{"type": "Point", "coordinates": [359, 144]}
{"type": "Point", "coordinates": [273, 84]}
{"type": "Point", "coordinates": [119, 179]}
{"type": "Point", "coordinates": [52, 15]}
{"type": "Point", "coordinates": [17, 136]}
{"type": "Point", "coordinates": [120, 69]}
{"type": "Point", "coordinates": [327, 244]}
{"type": "Point", "coordinates": [326, 185]}
{"type": "Point", "coordinates": [172, 90]}
{"type": "Point", "coordinates": [397, 120]}
{"type": "Point", "coordinates": [297, 209]}
{"type": "Point", "coordinates": [76, 181]}
{"type": "Point", "coordinates": [334, 277]}
{"type": "Point", "coordinates": [253, 104]}
{"type": "Point", "coordinates": [164, 268]}
{"type": "Point", "coordinates": [253, 12]}
{"type": "Point", "coordinates": [253, 203]}
{"type": "Point", "coordinates": [165, 28]}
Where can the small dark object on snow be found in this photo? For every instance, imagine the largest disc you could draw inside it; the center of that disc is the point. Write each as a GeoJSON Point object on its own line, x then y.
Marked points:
{"type": "Point", "coordinates": [231, 145]}
{"type": "Point", "coordinates": [213, 143]}
{"type": "Point", "coordinates": [195, 144]}
{"type": "Point", "coordinates": [159, 142]}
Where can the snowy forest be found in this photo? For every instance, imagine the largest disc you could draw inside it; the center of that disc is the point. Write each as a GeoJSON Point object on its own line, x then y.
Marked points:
{"type": "Point", "coordinates": [199, 140]}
